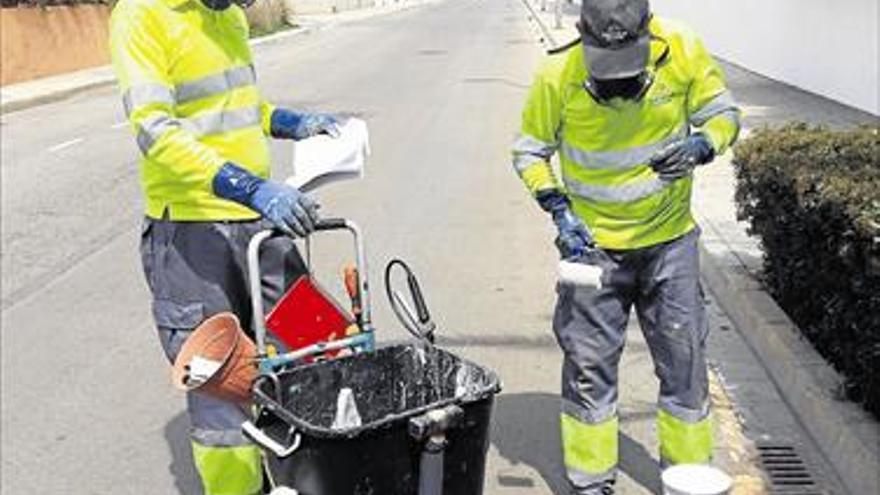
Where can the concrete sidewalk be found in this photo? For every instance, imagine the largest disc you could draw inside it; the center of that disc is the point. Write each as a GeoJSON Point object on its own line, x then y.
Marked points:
{"type": "Point", "coordinates": [56, 88]}
{"type": "Point", "coordinates": [732, 263]}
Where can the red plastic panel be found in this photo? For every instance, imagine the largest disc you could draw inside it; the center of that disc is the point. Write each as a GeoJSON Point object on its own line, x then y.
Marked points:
{"type": "Point", "coordinates": [306, 315]}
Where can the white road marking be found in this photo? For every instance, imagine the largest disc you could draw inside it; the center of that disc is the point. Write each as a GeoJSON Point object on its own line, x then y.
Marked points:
{"type": "Point", "coordinates": [119, 125]}
{"type": "Point", "coordinates": [66, 144]}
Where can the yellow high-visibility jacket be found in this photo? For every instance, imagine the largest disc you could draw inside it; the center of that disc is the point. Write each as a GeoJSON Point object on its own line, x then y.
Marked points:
{"type": "Point", "coordinates": [188, 85]}
{"type": "Point", "coordinates": [604, 148]}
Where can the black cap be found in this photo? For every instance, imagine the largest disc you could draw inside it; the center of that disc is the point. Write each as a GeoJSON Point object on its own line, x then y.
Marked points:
{"type": "Point", "coordinates": [615, 37]}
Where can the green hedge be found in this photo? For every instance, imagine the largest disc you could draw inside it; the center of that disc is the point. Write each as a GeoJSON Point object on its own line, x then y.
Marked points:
{"type": "Point", "coordinates": [812, 197]}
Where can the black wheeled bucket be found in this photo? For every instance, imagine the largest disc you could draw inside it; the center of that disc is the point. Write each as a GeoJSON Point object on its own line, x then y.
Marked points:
{"type": "Point", "coordinates": [421, 409]}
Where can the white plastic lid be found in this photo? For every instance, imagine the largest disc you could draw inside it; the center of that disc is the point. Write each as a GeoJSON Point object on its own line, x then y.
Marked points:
{"type": "Point", "coordinates": [695, 479]}
{"type": "Point", "coordinates": [283, 490]}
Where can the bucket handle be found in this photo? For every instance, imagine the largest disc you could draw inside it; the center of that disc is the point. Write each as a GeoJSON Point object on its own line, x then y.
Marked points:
{"type": "Point", "coordinates": [263, 440]}
{"type": "Point", "coordinates": [276, 386]}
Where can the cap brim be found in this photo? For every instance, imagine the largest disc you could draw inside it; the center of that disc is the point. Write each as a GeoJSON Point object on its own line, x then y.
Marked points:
{"type": "Point", "coordinates": [618, 63]}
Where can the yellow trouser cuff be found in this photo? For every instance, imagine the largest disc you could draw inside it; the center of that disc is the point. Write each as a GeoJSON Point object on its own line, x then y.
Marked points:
{"type": "Point", "coordinates": [229, 470]}
{"type": "Point", "coordinates": [682, 442]}
{"type": "Point", "coordinates": [588, 448]}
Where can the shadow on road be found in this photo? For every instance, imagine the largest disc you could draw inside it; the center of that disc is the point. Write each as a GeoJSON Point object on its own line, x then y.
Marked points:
{"type": "Point", "coordinates": [182, 468]}
{"type": "Point", "coordinates": [526, 430]}
{"type": "Point", "coordinates": [546, 340]}
{"type": "Point", "coordinates": [506, 341]}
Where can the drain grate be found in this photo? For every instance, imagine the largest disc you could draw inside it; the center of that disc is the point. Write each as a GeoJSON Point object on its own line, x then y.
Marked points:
{"type": "Point", "coordinates": [788, 473]}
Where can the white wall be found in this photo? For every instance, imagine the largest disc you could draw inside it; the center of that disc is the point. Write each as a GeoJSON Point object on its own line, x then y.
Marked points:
{"type": "Point", "coordinates": [828, 47]}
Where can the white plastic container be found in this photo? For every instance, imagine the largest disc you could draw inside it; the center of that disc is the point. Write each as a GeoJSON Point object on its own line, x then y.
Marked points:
{"type": "Point", "coordinates": [695, 479]}
{"type": "Point", "coordinates": [283, 490]}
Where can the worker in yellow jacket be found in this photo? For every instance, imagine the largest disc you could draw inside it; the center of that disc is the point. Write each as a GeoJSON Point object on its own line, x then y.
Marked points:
{"type": "Point", "coordinates": [631, 109]}
{"type": "Point", "coordinates": [189, 91]}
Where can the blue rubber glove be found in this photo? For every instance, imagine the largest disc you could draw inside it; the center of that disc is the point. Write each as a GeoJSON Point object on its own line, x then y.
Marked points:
{"type": "Point", "coordinates": [574, 240]}
{"type": "Point", "coordinates": [285, 206]}
{"type": "Point", "coordinates": [678, 159]}
{"type": "Point", "coordinates": [289, 124]}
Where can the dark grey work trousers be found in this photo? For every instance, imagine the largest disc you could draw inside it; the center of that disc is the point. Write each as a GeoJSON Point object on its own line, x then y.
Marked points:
{"type": "Point", "coordinates": [196, 270]}
{"type": "Point", "coordinates": [662, 282]}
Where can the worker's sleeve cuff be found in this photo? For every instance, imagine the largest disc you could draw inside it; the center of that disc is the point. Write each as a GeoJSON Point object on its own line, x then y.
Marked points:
{"type": "Point", "coordinates": [538, 177]}
{"type": "Point", "coordinates": [266, 111]}
{"type": "Point", "coordinates": [722, 131]}
{"type": "Point", "coordinates": [235, 183]}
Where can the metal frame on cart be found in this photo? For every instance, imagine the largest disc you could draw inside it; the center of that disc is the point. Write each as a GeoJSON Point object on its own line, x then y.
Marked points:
{"type": "Point", "coordinates": [270, 365]}
{"type": "Point", "coordinates": [362, 341]}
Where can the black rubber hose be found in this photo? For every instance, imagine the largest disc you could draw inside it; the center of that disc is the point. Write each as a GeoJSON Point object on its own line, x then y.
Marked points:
{"type": "Point", "coordinates": [410, 326]}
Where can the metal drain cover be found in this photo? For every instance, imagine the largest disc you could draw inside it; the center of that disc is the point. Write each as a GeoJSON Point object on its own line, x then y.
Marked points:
{"type": "Point", "coordinates": [788, 473]}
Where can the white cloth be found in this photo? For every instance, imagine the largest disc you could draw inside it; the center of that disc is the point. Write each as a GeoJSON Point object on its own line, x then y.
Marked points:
{"type": "Point", "coordinates": [322, 159]}
{"type": "Point", "coordinates": [201, 370]}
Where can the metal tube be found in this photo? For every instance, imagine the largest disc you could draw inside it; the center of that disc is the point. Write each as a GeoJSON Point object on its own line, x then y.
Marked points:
{"type": "Point", "coordinates": [268, 365]}
{"type": "Point", "coordinates": [363, 273]}
{"type": "Point", "coordinates": [255, 281]}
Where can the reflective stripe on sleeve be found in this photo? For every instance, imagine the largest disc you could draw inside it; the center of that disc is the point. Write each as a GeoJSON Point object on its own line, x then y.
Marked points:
{"type": "Point", "coordinates": [617, 160]}
{"type": "Point", "coordinates": [152, 128]}
{"type": "Point", "coordinates": [528, 145]}
{"type": "Point", "coordinates": [722, 103]}
{"type": "Point", "coordinates": [626, 193]}
{"type": "Point", "coordinates": [528, 150]}
{"type": "Point", "coordinates": [146, 94]}
{"type": "Point", "coordinates": [218, 122]}
{"type": "Point", "coordinates": [216, 84]}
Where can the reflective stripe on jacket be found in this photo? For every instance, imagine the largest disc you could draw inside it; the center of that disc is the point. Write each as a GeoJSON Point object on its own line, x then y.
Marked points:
{"type": "Point", "coordinates": [188, 87]}
{"type": "Point", "coordinates": [604, 149]}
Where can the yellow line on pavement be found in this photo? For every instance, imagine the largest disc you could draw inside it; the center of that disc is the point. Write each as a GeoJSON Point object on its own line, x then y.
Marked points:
{"type": "Point", "coordinates": [734, 452]}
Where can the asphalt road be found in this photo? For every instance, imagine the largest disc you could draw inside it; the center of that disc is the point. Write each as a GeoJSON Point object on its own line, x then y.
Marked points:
{"type": "Point", "coordinates": [87, 407]}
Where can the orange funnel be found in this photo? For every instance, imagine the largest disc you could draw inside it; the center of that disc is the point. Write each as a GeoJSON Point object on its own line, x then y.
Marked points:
{"type": "Point", "coordinates": [217, 359]}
